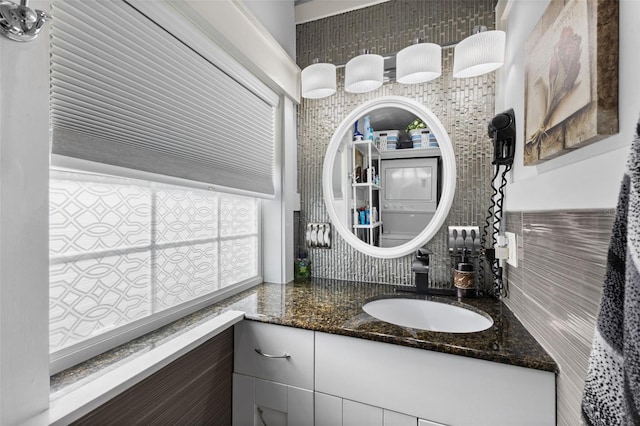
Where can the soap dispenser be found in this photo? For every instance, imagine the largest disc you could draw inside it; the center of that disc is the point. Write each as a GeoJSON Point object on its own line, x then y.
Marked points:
{"type": "Point", "coordinates": [464, 277]}
{"type": "Point", "coordinates": [302, 267]}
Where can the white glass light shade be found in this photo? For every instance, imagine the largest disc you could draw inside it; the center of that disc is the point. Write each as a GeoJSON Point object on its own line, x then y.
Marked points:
{"type": "Point", "coordinates": [479, 54]}
{"type": "Point", "coordinates": [363, 73]}
{"type": "Point", "coordinates": [419, 63]}
{"type": "Point", "coordinates": [318, 81]}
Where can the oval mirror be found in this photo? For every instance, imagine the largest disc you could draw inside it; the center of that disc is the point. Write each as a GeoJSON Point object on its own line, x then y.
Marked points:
{"type": "Point", "coordinates": [387, 202]}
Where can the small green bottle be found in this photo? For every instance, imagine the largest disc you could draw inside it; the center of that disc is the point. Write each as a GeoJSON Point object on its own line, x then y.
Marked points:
{"type": "Point", "coordinates": [302, 267]}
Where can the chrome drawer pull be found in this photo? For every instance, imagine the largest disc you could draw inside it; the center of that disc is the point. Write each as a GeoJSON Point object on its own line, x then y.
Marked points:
{"type": "Point", "coordinates": [259, 351]}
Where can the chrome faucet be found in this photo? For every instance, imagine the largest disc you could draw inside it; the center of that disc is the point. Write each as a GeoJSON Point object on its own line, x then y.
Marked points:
{"type": "Point", "coordinates": [420, 267]}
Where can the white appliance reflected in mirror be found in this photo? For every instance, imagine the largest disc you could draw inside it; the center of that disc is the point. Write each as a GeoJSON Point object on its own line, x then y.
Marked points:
{"type": "Point", "coordinates": [409, 197]}
{"type": "Point", "coordinates": [411, 190]}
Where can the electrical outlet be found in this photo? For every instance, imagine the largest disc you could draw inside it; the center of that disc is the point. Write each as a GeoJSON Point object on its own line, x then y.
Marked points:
{"type": "Point", "coordinates": [512, 243]}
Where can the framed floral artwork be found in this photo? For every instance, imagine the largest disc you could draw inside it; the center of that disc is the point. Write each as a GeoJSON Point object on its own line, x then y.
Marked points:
{"type": "Point", "coordinates": [571, 78]}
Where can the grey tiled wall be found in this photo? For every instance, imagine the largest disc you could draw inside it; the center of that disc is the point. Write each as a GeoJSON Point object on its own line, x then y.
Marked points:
{"type": "Point", "coordinates": [463, 105]}
{"type": "Point", "coordinates": [555, 290]}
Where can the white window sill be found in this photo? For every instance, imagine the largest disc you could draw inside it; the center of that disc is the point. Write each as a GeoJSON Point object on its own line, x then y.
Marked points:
{"type": "Point", "coordinates": [82, 400]}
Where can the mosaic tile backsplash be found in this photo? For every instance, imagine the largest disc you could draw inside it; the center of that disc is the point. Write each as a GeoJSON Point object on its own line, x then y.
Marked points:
{"type": "Point", "coordinates": [464, 106]}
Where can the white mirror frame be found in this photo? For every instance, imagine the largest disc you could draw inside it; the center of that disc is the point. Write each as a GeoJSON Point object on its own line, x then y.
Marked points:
{"type": "Point", "coordinates": [448, 176]}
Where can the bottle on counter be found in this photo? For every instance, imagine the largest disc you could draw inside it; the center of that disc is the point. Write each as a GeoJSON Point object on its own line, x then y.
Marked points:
{"type": "Point", "coordinates": [464, 277]}
{"type": "Point", "coordinates": [302, 267]}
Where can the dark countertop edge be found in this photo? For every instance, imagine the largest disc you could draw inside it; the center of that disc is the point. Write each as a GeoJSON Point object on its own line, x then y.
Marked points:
{"type": "Point", "coordinates": [517, 361]}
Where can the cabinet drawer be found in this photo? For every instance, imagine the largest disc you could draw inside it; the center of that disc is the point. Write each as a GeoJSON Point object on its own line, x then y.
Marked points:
{"type": "Point", "coordinates": [274, 340]}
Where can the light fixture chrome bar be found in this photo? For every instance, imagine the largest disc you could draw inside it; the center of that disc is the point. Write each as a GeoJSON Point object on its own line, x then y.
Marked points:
{"type": "Point", "coordinates": [421, 62]}
{"type": "Point", "coordinates": [390, 56]}
{"type": "Point", "coordinates": [390, 62]}
{"type": "Point", "coordinates": [478, 29]}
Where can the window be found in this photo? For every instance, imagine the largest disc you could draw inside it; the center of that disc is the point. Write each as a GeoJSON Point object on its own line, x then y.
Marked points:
{"type": "Point", "coordinates": [124, 250]}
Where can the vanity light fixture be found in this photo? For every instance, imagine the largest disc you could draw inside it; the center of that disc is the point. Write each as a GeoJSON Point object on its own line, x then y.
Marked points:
{"type": "Point", "coordinates": [419, 62]}
{"type": "Point", "coordinates": [480, 53]}
{"type": "Point", "coordinates": [364, 73]}
{"type": "Point", "coordinates": [318, 80]}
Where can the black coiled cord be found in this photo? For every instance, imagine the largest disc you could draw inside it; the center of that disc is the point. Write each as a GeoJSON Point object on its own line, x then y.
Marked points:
{"type": "Point", "coordinates": [493, 220]}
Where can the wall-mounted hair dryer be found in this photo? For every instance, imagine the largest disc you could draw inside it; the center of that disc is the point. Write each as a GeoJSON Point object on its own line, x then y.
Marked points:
{"type": "Point", "coordinates": [502, 130]}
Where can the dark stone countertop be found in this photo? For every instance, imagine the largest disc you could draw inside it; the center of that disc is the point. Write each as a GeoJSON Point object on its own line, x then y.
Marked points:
{"type": "Point", "coordinates": [335, 307]}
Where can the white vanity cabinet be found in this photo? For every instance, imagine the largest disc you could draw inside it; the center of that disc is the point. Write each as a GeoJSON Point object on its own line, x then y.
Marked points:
{"type": "Point", "coordinates": [334, 411]}
{"type": "Point", "coordinates": [262, 402]}
{"type": "Point", "coordinates": [434, 386]}
{"type": "Point", "coordinates": [336, 380]}
{"type": "Point", "coordinates": [273, 375]}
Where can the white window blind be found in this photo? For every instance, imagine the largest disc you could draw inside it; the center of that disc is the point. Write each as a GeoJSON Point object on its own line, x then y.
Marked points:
{"type": "Point", "coordinates": [127, 93]}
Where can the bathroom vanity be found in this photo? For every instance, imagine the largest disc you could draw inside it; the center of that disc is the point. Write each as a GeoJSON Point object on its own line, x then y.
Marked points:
{"type": "Point", "coordinates": [338, 380]}
{"type": "Point", "coordinates": [339, 365]}
{"type": "Point", "coordinates": [324, 361]}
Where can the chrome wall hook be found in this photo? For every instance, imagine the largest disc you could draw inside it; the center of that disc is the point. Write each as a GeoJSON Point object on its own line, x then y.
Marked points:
{"type": "Point", "coordinates": [19, 22]}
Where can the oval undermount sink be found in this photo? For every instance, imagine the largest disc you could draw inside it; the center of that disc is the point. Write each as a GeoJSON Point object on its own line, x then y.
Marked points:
{"type": "Point", "coordinates": [428, 315]}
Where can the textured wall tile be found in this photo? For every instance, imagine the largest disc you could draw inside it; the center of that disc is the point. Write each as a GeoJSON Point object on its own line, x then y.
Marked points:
{"type": "Point", "coordinates": [513, 276]}
{"type": "Point", "coordinates": [463, 105]}
{"type": "Point", "coordinates": [556, 289]}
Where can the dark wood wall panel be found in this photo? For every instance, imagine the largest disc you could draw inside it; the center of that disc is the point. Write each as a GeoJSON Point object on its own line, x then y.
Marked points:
{"type": "Point", "coordinates": [195, 389]}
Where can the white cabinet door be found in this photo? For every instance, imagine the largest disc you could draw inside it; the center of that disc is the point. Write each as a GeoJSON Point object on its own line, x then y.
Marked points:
{"type": "Point", "coordinates": [357, 414]}
{"type": "Point", "coordinates": [270, 400]}
{"type": "Point", "coordinates": [261, 402]}
{"type": "Point", "coordinates": [334, 411]}
{"type": "Point", "coordinates": [243, 401]}
{"type": "Point", "coordinates": [299, 407]}
{"type": "Point", "coordinates": [423, 422]}
{"type": "Point", "coordinates": [392, 418]}
{"type": "Point", "coordinates": [328, 410]}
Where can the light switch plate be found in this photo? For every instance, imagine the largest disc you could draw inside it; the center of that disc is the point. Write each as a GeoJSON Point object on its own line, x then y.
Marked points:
{"type": "Point", "coordinates": [512, 243]}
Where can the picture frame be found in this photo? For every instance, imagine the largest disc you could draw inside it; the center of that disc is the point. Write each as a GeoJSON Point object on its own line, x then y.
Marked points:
{"type": "Point", "coordinates": [571, 78]}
